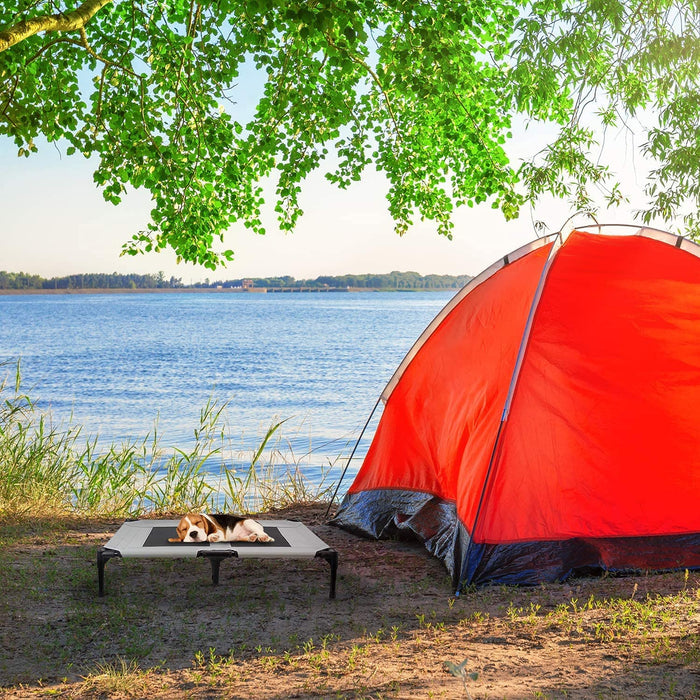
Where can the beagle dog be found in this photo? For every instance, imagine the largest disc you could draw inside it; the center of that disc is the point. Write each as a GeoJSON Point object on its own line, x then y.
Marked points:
{"type": "Point", "coordinates": [199, 527]}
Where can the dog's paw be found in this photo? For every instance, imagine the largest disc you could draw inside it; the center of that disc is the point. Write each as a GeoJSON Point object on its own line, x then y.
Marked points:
{"type": "Point", "coordinates": [214, 537]}
{"type": "Point", "coordinates": [266, 538]}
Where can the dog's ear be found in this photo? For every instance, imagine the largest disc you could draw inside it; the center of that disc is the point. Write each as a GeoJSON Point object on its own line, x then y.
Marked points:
{"type": "Point", "coordinates": [207, 525]}
{"type": "Point", "coordinates": [181, 531]}
{"type": "Point", "coordinates": [181, 534]}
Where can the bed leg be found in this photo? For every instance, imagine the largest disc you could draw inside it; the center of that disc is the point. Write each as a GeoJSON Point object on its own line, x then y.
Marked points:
{"type": "Point", "coordinates": [104, 554]}
{"type": "Point", "coordinates": [331, 556]}
{"type": "Point", "coordinates": [215, 566]}
{"type": "Point", "coordinates": [215, 560]}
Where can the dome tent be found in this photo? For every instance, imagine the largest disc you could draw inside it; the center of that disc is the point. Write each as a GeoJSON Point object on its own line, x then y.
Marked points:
{"type": "Point", "coordinates": [547, 420]}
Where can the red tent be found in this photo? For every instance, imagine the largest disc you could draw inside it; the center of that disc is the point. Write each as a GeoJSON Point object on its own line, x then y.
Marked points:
{"type": "Point", "coordinates": [547, 420]}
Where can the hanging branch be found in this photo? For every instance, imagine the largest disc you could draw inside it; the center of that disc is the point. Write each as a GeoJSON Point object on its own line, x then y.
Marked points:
{"type": "Point", "coordinates": [60, 22]}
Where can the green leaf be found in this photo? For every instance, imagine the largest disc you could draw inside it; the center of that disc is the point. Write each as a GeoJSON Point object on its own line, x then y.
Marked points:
{"type": "Point", "coordinates": [429, 97]}
{"type": "Point", "coordinates": [457, 670]}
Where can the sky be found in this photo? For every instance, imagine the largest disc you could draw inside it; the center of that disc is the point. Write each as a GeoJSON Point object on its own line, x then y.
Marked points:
{"type": "Point", "coordinates": [55, 222]}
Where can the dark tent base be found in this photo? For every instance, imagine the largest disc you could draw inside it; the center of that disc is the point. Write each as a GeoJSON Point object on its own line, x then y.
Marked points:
{"type": "Point", "coordinates": [538, 562]}
{"type": "Point", "coordinates": [384, 514]}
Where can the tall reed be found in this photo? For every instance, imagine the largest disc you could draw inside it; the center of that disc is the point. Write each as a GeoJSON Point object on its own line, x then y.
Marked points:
{"type": "Point", "coordinates": [47, 467]}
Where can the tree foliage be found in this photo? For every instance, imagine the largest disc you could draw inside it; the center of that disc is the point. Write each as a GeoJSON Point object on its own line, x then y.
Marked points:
{"type": "Point", "coordinates": [96, 280]}
{"type": "Point", "coordinates": [390, 280]}
{"type": "Point", "coordinates": [428, 92]}
{"type": "Point", "coordinates": [393, 280]}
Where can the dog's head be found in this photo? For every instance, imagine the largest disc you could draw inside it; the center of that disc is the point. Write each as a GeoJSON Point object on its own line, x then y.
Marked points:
{"type": "Point", "coordinates": [193, 528]}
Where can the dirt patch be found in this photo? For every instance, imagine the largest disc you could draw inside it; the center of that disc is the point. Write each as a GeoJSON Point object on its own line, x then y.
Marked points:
{"type": "Point", "coordinates": [269, 630]}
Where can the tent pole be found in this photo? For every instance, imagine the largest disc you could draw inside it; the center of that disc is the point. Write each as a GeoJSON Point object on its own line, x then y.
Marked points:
{"type": "Point", "coordinates": [352, 454]}
{"type": "Point", "coordinates": [558, 241]}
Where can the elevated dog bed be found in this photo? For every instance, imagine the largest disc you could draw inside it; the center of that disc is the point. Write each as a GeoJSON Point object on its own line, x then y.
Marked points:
{"type": "Point", "coordinates": [148, 539]}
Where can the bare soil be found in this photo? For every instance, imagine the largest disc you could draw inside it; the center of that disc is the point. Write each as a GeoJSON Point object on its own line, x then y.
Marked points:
{"type": "Point", "coordinates": [269, 630]}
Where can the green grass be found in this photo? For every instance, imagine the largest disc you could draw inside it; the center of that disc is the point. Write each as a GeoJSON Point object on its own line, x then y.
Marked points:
{"type": "Point", "coordinates": [269, 631]}
{"type": "Point", "coordinates": [164, 632]}
{"type": "Point", "coordinates": [54, 468]}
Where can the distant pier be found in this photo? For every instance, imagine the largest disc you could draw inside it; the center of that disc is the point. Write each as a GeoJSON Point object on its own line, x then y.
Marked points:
{"type": "Point", "coordinates": [311, 290]}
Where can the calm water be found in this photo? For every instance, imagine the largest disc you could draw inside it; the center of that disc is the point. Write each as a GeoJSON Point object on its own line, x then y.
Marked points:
{"type": "Point", "coordinates": [119, 363]}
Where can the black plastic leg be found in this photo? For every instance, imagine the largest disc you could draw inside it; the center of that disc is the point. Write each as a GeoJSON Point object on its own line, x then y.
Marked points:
{"type": "Point", "coordinates": [103, 556]}
{"type": "Point", "coordinates": [215, 560]}
{"type": "Point", "coordinates": [215, 566]}
{"type": "Point", "coordinates": [331, 556]}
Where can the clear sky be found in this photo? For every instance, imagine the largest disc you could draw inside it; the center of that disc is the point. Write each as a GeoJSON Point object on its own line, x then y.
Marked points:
{"type": "Point", "coordinates": [54, 222]}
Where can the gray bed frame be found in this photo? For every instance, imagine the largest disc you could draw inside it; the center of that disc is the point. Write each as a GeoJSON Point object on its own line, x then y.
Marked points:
{"type": "Point", "coordinates": [147, 539]}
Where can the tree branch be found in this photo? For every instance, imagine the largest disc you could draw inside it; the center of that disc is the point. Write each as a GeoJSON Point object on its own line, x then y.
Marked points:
{"type": "Point", "coordinates": [375, 78]}
{"type": "Point", "coordinates": [61, 22]}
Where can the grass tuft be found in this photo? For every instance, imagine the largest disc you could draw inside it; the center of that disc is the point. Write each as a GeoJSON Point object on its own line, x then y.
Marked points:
{"type": "Point", "coordinates": [54, 470]}
{"type": "Point", "coordinates": [119, 677]}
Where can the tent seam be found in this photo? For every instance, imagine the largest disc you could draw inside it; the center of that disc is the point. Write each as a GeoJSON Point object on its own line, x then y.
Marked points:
{"type": "Point", "coordinates": [557, 244]}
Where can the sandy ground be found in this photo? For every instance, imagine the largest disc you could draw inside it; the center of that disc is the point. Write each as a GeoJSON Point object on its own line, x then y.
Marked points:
{"type": "Point", "coordinates": [270, 631]}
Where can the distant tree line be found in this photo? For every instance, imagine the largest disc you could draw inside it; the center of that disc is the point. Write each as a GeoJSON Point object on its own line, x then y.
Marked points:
{"type": "Point", "coordinates": [21, 280]}
{"type": "Point", "coordinates": [392, 280]}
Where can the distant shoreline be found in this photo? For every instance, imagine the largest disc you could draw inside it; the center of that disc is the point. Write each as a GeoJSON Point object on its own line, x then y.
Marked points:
{"type": "Point", "coordinates": [218, 290]}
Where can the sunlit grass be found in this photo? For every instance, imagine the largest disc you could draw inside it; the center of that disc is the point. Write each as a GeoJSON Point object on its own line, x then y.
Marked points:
{"type": "Point", "coordinates": [119, 677]}
{"type": "Point", "coordinates": [51, 468]}
{"type": "Point", "coordinates": [615, 619]}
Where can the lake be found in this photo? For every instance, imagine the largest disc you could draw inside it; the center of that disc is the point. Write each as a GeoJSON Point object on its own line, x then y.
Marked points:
{"type": "Point", "coordinates": [120, 364]}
